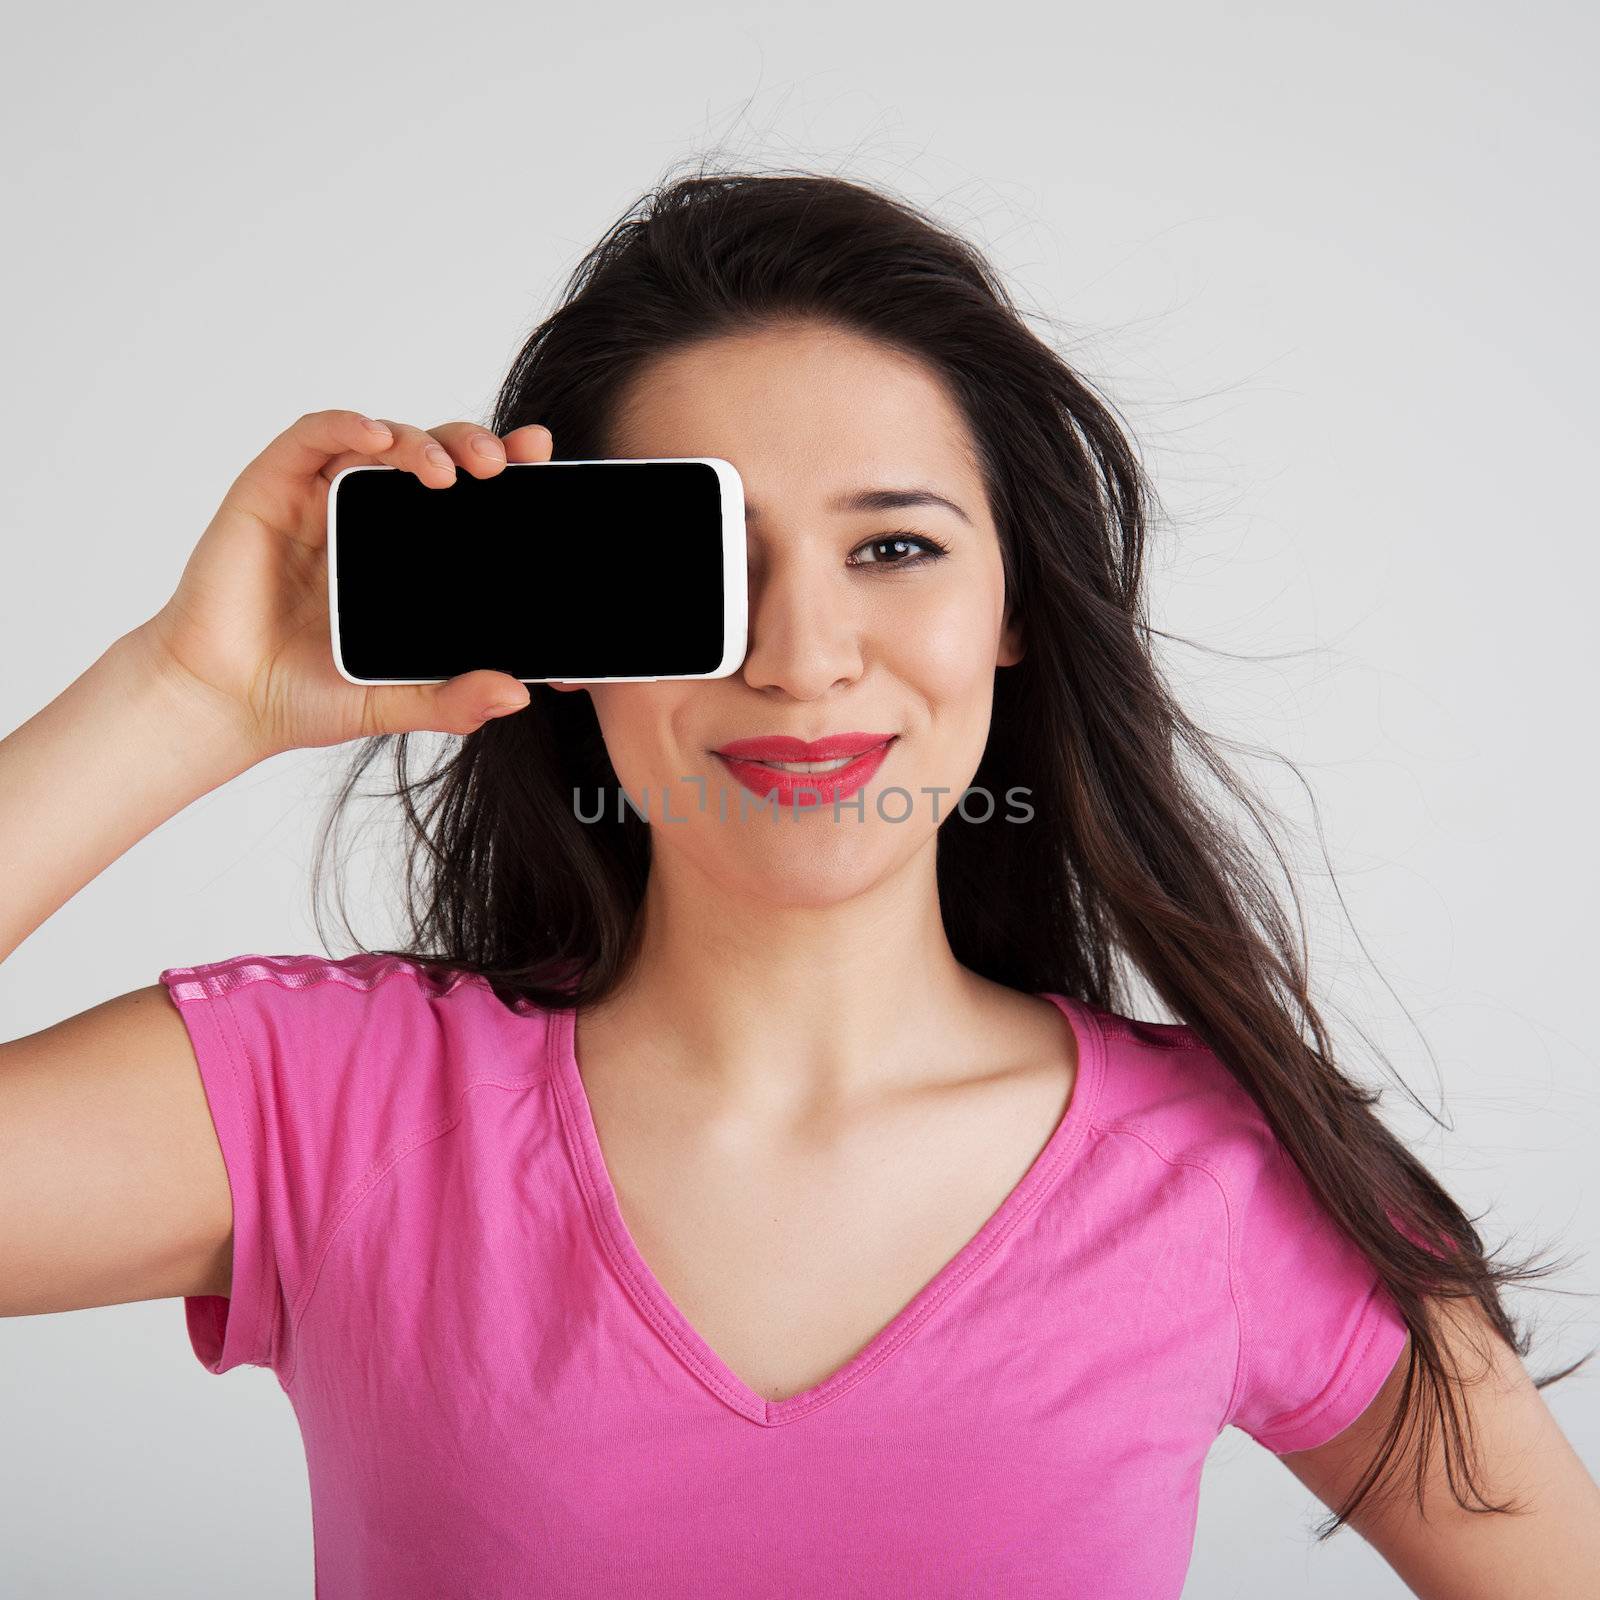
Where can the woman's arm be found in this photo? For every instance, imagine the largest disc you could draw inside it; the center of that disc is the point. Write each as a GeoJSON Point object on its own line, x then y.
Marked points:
{"type": "Point", "coordinates": [1443, 1551]}
{"type": "Point", "coordinates": [127, 745]}
{"type": "Point", "coordinates": [112, 1186]}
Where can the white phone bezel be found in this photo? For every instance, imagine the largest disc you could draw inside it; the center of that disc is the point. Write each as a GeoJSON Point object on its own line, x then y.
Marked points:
{"type": "Point", "coordinates": [735, 609]}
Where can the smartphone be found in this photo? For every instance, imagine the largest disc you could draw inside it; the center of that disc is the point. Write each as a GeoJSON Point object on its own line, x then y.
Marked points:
{"type": "Point", "coordinates": [610, 571]}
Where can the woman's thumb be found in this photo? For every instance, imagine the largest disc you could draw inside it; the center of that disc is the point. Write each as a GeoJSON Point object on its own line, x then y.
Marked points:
{"type": "Point", "coordinates": [467, 702]}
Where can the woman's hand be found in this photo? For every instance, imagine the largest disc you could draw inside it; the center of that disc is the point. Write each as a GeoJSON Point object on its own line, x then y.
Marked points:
{"type": "Point", "coordinates": [247, 633]}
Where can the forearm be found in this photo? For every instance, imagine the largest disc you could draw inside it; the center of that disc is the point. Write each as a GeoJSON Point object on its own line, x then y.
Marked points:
{"type": "Point", "coordinates": [120, 750]}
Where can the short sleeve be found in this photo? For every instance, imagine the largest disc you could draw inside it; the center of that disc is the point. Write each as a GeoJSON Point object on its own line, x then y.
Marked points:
{"type": "Point", "coordinates": [291, 1052]}
{"type": "Point", "coordinates": [1318, 1331]}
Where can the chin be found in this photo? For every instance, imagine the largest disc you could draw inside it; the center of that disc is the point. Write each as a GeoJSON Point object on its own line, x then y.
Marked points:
{"type": "Point", "coordinates": [800, 868]}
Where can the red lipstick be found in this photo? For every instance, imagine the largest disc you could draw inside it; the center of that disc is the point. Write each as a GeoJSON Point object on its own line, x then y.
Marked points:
{"type": "Point", "coordinates": [744, 758]}
{"type": "Point", "coordinates": [781, 747]}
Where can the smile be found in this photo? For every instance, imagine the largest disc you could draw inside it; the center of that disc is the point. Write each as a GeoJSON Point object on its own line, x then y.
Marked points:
{"type": "Point", "coordinates": [824, 781]}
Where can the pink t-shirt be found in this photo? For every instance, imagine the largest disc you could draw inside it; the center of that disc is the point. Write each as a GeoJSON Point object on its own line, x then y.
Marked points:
{"type": "Point", "coordinates": [498, 1399]}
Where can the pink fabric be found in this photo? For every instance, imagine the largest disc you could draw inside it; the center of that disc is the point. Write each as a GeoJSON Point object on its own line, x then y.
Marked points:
{"type": "Point", "coordinates": [497, 1398]}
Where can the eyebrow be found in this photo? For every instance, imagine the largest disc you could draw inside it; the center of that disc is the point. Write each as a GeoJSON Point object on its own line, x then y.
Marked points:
{"type": "Point", "coordinates": [880, 500]}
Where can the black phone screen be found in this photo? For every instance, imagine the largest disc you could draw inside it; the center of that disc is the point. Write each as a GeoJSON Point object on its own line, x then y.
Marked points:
{"type": "Point", "coordinates": [586, 569]}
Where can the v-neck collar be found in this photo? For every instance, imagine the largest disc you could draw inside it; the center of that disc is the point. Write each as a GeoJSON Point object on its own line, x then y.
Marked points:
{"type": "Point", "coordinates": [658, 1308]}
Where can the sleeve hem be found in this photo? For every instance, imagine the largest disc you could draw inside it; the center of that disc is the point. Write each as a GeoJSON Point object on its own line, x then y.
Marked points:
{"type": "Point", "coordinates": [225, 1330]}
{"type": "Point", "coordinates": [1371, 1355]}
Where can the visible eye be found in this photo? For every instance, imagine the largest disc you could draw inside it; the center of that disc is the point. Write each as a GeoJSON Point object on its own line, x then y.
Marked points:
{"type": "Point", "coordinates": [896, 545]}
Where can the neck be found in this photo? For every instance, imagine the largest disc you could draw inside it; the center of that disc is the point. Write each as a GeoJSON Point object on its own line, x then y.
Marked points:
{"type": "Point", "coordinates": [773, 1006]}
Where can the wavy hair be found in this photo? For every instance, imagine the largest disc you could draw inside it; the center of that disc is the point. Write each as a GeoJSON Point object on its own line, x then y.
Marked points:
{"type": "Point", "coordinates": [1125, 872]}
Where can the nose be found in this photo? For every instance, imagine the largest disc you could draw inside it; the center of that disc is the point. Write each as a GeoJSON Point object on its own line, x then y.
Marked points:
{"type": "Point", "coordinates": [804, 637]}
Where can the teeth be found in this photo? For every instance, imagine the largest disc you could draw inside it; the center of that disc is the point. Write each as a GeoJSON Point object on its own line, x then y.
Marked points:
{"type": "Point", "coordinates": [808, 766]}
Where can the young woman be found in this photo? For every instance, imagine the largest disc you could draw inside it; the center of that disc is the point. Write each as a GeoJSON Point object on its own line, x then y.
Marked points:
{"type": "Point", "coordinates": [785, 1200]}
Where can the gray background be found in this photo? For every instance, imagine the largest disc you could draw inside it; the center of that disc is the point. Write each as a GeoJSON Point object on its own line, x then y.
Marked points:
{"type": "Point", "coordinates": [1334, 266]}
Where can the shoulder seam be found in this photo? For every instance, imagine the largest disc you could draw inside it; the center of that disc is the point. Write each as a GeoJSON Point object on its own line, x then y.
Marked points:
{"type": "Point", "coordinates": [356, 1192]}
{"type": "Point", "coordinates": [263, 1341]}
{"type": "Point", "coordinates": [1228, 1209]}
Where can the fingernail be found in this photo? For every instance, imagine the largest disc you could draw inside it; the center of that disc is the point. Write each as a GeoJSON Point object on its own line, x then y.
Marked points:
{"type": "Point", "coordinates": [505, 708]}
{"type": "Point", "coordinates": [486, 446]}
{"type": "Point", "coordinates": [438, 456]}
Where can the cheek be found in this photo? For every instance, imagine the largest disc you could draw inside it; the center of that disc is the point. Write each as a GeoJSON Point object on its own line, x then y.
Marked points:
{"type": "Point", "coordinates": [947, 649]}
{"type": "Point", "coordinates": [633, 719]}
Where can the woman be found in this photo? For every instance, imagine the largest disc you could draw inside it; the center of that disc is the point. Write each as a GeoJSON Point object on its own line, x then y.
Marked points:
{"type": "Point", "coordinates": [777, 1203]}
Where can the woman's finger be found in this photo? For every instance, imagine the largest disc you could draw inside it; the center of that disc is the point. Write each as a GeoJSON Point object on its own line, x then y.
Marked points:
{"type": "Point", "coordinates": [477, 449]}
{"type": "Point", "coordinates": [272, 488]}
{"type": "Point", "coordinates": [531, 442]}
{"type": "Point", "coordinates": [462, 705]}
{"type": "Point", "coordinates": [416, 450]}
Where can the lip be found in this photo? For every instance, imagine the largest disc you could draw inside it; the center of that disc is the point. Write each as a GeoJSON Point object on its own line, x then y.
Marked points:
{"type": "Point", "coordinates": [782, 747]}
{"type": "Point", "coordinates": [802, 789]}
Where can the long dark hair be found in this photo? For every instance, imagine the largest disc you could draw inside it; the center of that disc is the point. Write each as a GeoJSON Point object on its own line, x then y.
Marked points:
{"type": "Point", "coordinates": [1125, 873]}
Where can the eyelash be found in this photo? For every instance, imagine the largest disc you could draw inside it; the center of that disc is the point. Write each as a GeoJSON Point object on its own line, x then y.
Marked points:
{"type": "Point", "coordinates": [938, 551]}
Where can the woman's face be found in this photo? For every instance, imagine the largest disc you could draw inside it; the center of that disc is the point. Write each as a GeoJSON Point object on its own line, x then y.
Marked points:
{"type": "Point", "coordinates": [847, 633]}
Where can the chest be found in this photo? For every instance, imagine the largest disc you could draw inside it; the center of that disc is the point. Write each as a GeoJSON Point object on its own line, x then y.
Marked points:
{"type": "Point", "coordinates": [485, 1370]}
{"type": "Point", "coordinates": [790, 1254]}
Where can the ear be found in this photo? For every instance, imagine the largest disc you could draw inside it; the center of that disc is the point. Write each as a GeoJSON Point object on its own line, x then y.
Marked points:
{"type": "Point", "coordinates": [1012, 645]}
